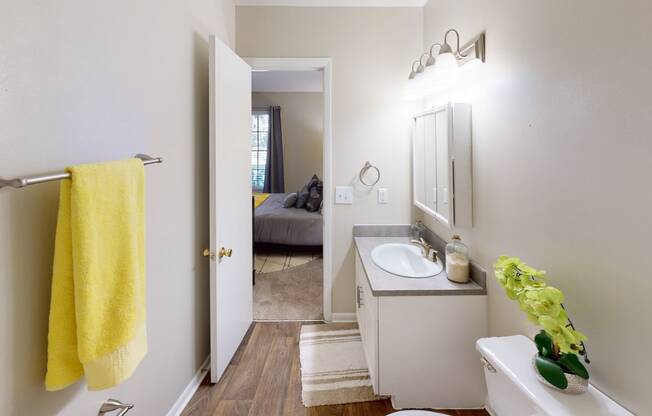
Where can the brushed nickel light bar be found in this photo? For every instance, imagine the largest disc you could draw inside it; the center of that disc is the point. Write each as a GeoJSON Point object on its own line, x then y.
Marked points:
{"type": "Point", "coordinates": [474, 49]}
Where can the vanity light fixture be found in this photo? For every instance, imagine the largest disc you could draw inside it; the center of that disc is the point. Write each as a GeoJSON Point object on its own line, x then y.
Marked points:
{"type": "Point", "coordinates": [430, 62]}
{"type": "Point", "coordinates": [446, 68]}
{"type": "Point", "coordinates": [441, 67]}
{"type": "Point", "coordinates": [446, 47]}
{"type": "Point", "coordinates": [415, 85]}
{"type": "Point", "coordinates": [414, 72]}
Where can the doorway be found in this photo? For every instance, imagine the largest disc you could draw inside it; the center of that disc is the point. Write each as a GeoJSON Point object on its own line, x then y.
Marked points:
{"type": "Point", "coordinates": [291, 256]}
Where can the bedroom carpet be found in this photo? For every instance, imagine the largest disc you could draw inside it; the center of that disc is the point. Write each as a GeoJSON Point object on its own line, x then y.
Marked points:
{"type": "Point", "coordinates": [291, 294]}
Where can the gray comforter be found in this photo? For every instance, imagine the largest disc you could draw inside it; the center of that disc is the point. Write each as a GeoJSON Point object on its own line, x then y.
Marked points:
{"type": "Point", "coordinates": [292, 226]}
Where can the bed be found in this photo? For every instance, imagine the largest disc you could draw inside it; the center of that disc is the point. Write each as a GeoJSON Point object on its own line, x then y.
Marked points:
{"type": "Point", "coordinates": [275, 224]}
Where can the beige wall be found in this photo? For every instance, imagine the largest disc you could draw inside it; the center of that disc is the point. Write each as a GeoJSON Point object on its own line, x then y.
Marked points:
{"type": "Point", "coordinates": [89, 81]}
{"type": "Point", "coordinates": [371, 50]}
{"type": "Point", "coordinates": [302, 120]}
{"type": "Point", "coordinates": [562, 157]}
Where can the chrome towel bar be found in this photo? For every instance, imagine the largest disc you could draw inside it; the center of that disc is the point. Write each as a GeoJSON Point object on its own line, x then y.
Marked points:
{"type": "Point", "coordinates": [113, 405]}
{"type": "Point", "coordinates": [33, 180]}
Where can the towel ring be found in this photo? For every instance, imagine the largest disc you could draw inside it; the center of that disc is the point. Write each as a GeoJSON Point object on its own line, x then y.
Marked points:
{"type": "Point", "coordinates": [364, 170]}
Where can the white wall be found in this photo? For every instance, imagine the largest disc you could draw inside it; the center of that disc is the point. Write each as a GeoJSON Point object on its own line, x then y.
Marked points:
{"type": "Point", "coordinates": [302, 121]}
{"type": "Point", "coordinates": [287, 81]}
{"type": "Point", "coordinates": [88, 81]}
{"type": "Point", "coordinates": [562, 157]}
{"type": "Point", "coordinates": [371, 49]}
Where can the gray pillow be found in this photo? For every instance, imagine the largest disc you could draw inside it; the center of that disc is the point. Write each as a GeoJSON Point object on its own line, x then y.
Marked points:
{"type": "Point", "coordinates": [302, 197]}
{"type": "Point", "coordinates": [290, 200]}
{"type": "Point", "coordinates": [314, 181]}
{"type": "Point", "coordinates": [314, 201]}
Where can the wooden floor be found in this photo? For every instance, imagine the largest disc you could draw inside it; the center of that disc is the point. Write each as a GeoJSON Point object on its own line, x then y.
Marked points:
{"type": "Point", "coordinates": [264, 379]}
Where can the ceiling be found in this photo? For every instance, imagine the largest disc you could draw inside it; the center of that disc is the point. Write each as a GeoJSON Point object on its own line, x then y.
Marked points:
{"type": "Point", "coordinates": [333, 3]}
{"type": "Point", "coordinates": [286, 81]}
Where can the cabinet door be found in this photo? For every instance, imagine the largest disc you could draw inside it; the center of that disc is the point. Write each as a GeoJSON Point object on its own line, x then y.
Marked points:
{"type": "Point", "coordinates": [441, 160]}
{"type": "Point", "coordinates": [426, 350]}
{"type": "Point", "coordinates": [359, 306]}
{"type": "Point", "coordinates": [367, 312]}
{"type": "Point", "coordinates": [442, 174]}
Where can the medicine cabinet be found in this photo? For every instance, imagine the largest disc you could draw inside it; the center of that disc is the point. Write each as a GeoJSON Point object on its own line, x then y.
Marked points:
{"type": "Point", "coordinates": [441, 161]}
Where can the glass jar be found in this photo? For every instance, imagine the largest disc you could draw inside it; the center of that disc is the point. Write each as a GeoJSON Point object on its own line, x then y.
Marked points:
{"type": "Point", "coordinates": [457, 260]}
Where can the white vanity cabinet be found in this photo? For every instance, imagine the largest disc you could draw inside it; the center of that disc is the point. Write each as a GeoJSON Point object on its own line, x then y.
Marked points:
{"type": "Point", "coordinates": [421, 349]}
{"type": "Point", "coordinates": [367, 314]}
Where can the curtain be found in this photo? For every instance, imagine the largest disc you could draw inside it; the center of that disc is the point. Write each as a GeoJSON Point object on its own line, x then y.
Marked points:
{"type": "Point", "coordinates": [274, 181]}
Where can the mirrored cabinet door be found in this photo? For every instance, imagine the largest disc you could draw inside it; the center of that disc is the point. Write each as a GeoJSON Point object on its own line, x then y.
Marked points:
{"type": "Point", "coordinates": [442, 164]}
{"type": "Point", "coordinates": [418, 161]}
{"type": "Point", "coordinates": [430, 170]}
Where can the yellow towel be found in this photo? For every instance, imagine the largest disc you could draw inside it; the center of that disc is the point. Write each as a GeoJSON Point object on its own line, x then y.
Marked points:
{"type": "Point", "coordinates": [97, 311]}
{"type": "Point", "coordinates": [259, 199]}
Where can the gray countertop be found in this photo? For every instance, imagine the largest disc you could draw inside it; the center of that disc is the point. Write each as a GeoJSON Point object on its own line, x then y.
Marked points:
{"type": "Point", "coordinates": [383, 283]}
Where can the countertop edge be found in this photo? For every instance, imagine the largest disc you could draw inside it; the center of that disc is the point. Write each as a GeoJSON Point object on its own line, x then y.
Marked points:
{"type": "Point", "coordinates": [415, 292]}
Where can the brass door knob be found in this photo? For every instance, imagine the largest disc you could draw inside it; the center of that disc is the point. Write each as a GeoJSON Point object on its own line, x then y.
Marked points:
{"type": "Point", "coordinates": [225, 252]}
{"type": "Point", "coordinates": [208, 253]}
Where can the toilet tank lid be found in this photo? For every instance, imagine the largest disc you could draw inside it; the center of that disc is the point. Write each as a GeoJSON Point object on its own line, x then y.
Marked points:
{"type": "Point", "coordinates": [513, 357]}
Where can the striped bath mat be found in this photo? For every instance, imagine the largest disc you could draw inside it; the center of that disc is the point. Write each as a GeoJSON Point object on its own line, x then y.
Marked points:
{"type": "Point", "coordinates": [333, 366]}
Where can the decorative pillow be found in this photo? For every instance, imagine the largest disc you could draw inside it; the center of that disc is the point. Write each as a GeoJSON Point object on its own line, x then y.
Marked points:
{"type": "Point", "coordinates": [290, 200]}
{"type": "Point", "coordinates": [314, 200]}
{"type": "Point", "coordinates": [316, 187]}
{"type": "Point", "coordinates": [302, 197]}
{"type": "Point", "coordinates": [314, 181]}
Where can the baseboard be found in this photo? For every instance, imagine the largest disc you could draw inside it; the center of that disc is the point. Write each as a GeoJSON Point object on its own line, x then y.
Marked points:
{"type": "Point", "coordinates": [190, 389]}
{"type": "Point", "coordinates": [344, 317]}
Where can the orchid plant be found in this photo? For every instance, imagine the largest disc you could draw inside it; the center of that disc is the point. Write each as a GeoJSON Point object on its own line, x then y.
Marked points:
{"type": "Point", "coordinates": [559, 343]}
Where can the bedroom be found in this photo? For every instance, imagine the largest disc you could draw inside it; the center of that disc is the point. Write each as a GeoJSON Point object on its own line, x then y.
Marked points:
{"type": "Point", "coordinates": [286, 179]}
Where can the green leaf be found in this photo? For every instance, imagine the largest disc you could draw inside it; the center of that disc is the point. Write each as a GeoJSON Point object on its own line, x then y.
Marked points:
{"type": "Point", "coordinates": [552, 372]}
{"type": "Point", "coordinates": [544, 344]}
{"type": "Point", "coordinates": [572, 363]}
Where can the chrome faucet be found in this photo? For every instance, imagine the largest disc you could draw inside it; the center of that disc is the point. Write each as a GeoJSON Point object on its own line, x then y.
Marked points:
{"type": "Point", "coordinates": [426, 249]}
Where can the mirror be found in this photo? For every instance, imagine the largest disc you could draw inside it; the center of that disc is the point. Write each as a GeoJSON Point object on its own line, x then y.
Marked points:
{"type": "Point", "coordinates": [441, 159]}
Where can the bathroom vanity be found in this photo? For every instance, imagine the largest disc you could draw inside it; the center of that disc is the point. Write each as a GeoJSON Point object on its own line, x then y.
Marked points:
{"type": "Point", "coordinates": [418, 328]}
{"type": "Point", "coordinates": [419, 334]}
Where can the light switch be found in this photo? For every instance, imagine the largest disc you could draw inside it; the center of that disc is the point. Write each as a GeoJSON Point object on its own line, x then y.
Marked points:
{"type": "Point", "coordinates": [383, 195]}
{"type": "Point", "coordinates": [343, 195]}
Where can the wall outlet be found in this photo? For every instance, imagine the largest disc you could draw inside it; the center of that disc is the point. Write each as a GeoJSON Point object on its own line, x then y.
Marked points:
{"type": "Point", "coordinates": [383, 195]}
{"type": "Point", "coordinates": [344, 195]}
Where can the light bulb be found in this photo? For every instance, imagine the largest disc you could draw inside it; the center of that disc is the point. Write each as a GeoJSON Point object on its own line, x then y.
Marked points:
{"type": "Point", "coordinates": [417, 88]}
{"type": "Point", "coordinates": [445, 72]}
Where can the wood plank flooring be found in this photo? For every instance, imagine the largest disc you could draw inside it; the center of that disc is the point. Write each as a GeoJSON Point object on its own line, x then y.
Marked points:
{"type": "Point", "coordinates": [264, 379]}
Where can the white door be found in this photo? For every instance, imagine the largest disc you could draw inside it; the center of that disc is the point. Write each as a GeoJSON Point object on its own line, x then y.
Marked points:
{"type": "Point", "coordinates": [230, 204]}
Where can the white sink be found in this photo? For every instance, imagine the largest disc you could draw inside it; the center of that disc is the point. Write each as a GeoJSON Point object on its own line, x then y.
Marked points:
{"type": "Point", "coordinates": [404, 260]}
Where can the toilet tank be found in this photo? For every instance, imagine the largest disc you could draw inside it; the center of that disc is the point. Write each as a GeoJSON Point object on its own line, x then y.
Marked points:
{"type": "Point", "coordinates": [514, 390]}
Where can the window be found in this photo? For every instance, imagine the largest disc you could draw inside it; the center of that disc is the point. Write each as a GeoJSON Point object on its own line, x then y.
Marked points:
{"type": "Point", "coordinates": [259, 141]}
